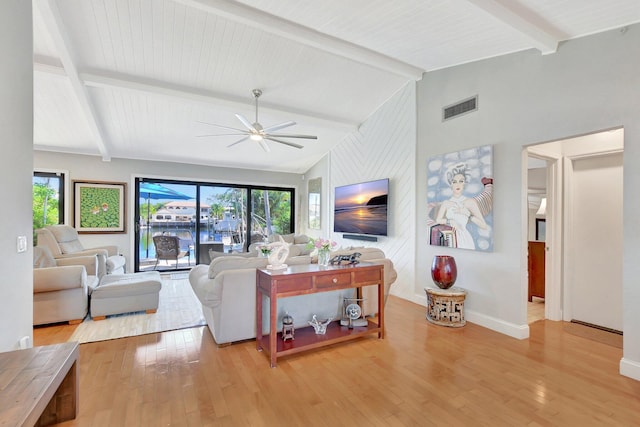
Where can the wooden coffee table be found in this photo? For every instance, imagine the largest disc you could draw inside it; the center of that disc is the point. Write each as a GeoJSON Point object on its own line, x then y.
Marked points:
{"type": "Point", "coordinates": [39, 385]}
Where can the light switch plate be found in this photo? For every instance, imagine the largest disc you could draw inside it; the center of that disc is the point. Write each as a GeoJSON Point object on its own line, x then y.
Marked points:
{"type": "Point", "coordinates": [22, 244]}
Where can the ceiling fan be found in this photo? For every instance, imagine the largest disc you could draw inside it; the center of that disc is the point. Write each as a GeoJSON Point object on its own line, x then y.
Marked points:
{"type": "Point", "coordinates": [255, 131]}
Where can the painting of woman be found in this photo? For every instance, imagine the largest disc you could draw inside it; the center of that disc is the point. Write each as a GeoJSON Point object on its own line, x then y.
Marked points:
{"type": "Point", "coordinates": [461, 216]}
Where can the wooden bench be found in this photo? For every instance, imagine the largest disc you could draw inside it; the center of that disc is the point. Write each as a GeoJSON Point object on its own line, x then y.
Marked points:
{"type": "Point", "coordinates": [39, 386]}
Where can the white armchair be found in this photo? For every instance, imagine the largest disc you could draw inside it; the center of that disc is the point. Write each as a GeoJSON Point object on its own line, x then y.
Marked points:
{"type": "Point", "coordinates": [63, 242]}
{"type": "Point", "coordinates": [61, 287]}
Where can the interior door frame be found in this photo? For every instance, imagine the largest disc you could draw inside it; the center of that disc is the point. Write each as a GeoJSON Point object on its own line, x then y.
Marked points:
{"type": "Point", "coordinates": [553, 240]}
{"type": "Point", "coordinates": [559, 157]}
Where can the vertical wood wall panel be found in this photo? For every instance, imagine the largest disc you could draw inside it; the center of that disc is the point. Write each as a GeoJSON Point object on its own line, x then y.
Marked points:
{"type": "Point", "coordinates": [384, 147]}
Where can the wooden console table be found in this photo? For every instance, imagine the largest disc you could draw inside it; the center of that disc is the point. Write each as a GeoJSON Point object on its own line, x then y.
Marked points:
{"type": "Point", "coordinates": [310, 279]}
{"type": "Point", "coordinates": [39, 385]}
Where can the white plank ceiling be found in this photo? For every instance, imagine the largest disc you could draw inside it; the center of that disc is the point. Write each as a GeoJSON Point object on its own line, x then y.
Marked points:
{"type": "Point", "coordinates": [134, 78]}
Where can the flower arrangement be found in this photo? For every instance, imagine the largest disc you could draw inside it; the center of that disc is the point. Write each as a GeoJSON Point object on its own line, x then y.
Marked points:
{"type": "Point", "coordinates": [265, 250]}
{"type": "Point", "coordinates": [322, 244]}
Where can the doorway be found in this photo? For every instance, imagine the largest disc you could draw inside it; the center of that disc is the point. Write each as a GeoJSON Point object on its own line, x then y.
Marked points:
{"type": "Point", "coordinates": [536, 237]}
{"type": "Point", "coordinates": [578, 171]}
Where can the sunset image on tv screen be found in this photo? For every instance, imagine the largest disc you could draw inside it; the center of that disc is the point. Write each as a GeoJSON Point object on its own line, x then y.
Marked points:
{"type": "Point", "coordinates": [362, 208]}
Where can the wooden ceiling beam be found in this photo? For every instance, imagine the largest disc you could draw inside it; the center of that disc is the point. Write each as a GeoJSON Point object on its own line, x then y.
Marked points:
{"type": "Point", "coordinates": [272, 24]}
{"type": "Point", "coordinates": [53, 20]}
{"type": "Point", "coordinates": [538, 31]}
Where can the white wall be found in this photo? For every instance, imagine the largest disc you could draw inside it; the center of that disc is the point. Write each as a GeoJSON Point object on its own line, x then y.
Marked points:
{"type": "Point", "coordinates": [16, 134]}
{"type": "Point", "coordinates": [92, 168]}
{"type": "Point", "coordinates": [384, 147]}
{"type": "Point", "coordinates": [590, 84]}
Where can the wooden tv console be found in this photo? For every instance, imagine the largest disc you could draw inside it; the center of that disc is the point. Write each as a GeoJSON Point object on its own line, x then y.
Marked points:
{"type": "Point", "coordinates": [310, 279]}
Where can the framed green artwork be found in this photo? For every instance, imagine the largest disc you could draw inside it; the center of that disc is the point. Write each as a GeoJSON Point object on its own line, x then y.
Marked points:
{"type": "Point", "coordinates": [99, 207]}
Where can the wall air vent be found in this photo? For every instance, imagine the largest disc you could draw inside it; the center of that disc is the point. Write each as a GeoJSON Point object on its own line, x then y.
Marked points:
{"type": "Point", "coordinates": [459, 108]}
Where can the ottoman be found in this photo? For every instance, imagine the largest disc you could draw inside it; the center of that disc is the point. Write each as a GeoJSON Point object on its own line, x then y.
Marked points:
{"type": "Point", "coordinates": [126, 293]}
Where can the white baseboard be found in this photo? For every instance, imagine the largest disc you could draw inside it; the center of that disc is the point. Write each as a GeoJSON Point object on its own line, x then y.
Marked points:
{"type": "Point", "coordinates": [630, 368]}
{"type": "Point", "coordinates": [511, 329]}
{"type": "Point", "coordinates": [520, 332]}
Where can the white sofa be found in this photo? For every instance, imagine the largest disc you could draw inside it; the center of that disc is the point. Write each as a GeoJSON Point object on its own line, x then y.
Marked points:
{"type": "Point", "coordinates": [226, 289]}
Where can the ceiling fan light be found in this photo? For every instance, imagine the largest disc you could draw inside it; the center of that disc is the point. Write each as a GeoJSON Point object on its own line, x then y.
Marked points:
{"type": "Point", "coordinates": [255, 137]}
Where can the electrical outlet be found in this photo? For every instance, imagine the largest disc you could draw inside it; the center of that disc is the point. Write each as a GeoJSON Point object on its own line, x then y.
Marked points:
{"type": "Point", "coordinates": [22, 244]}
{"type": "Point", "coordinates": [24, 342]}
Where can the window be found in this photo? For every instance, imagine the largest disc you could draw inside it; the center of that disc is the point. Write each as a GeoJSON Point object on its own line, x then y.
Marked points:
{"type": "Point", "coordinates": [48, 199]}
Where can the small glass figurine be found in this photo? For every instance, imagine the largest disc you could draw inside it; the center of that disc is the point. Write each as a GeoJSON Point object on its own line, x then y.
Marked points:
{"type": "Point", "coordinates": [320, 327]}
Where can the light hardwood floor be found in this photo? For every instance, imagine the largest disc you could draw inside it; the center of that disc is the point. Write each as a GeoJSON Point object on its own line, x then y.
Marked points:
{"type": "Point", "coordinates": [419, 375]}
{"type": "Point", "coordinates": [535, 310]}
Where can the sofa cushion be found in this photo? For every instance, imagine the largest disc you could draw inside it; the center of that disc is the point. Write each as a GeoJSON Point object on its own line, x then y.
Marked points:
{"type": "Point", "coordinates": [294, 250]}
{"type": "Point", "coordinates": [300, 239]}
{"type": "Point", "coordinates": [288, 238]}
{"type": "Point", "coordinates": [235, 263]}
{"type": "Point", "coordinates": [42, 258]}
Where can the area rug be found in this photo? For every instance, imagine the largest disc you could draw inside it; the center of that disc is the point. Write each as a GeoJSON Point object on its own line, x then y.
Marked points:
{"type": "Point", "coordinates": [178, 308]}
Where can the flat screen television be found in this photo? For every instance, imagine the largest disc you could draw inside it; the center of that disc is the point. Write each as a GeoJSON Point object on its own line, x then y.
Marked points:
{"type": "Point", "coordinates": [362, 208]}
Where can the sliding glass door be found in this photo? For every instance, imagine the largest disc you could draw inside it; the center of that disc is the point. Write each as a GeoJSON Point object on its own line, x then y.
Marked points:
{"type": "Point", "coordinates": [165, 208]}
{"type": "Point", "coordinates": [204, 217]}
{"type": "Point", "coordinates": [223, 228]}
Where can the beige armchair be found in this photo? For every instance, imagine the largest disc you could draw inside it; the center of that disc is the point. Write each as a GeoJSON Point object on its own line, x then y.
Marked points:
{"type": "Point", "coordinates": [63, 242]}
{"type": "Point", "coordinates": [61, 287]}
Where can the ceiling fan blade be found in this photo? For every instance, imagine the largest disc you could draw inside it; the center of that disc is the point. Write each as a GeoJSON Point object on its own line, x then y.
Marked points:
{"type": "Point", "coordinates": [246, 122]}
{"type": "Point", "coordinates": [238, 141]}
{"type": "Point", "coordinates": [280, 126]}
{"type": "Point", "coordinates": [290, 144]}
{"type": "Point", "coordinates": [223, 127]}
{"type": "Point", "coordinates": [221, 134]}
{"type": "Point", "coordinates": [264, 145]}
{"type": "Point", "coordinates": [286, 135]}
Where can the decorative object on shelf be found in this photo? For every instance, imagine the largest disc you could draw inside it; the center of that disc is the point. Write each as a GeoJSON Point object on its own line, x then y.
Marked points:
{"type": "Point", "coordinates": [323, 257]}
{"type": "Point", "coordinates": [445, 307]}
{"type": "Point", "coordinates": [288, 330]}
{"type": "Point", "coordinates": [319, 326]}
{"type": "Point", "coordinates": [352, 315]}
{"type": "Point", "coordinates": [277, 256]}
{"type": "Point", "coordinates": [324, 249]}
{"type": "Point", "coordinates": [349, 259]}
{"type": "Point", "coordinates": [444, 271]}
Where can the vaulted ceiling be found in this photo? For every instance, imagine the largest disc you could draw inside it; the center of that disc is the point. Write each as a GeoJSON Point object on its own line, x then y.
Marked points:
{"type": "Point", "coordinates": [136, 78]}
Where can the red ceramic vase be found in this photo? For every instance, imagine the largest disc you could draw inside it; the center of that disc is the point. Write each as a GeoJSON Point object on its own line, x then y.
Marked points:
{"type": "Point", "coordinates": [444, 271]}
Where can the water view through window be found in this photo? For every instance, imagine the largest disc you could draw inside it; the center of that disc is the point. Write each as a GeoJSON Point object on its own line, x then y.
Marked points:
{"type": "Point", "coordinates": [206, 218]}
